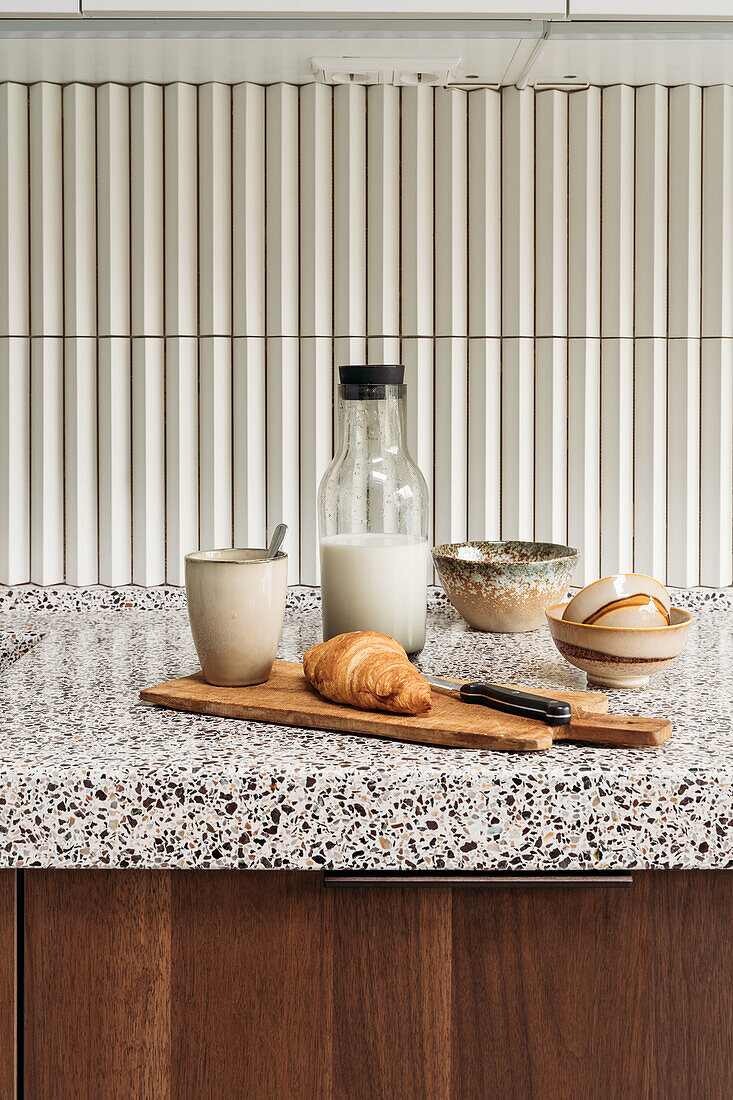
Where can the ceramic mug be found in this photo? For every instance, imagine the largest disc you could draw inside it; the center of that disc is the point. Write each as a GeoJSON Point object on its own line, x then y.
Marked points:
{"type": "Point", "coordinates": [236, 606]}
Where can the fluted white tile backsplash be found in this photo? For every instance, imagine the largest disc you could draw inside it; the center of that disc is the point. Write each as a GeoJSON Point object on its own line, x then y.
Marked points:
{"type": "Point", "coordinates": [183, 268]}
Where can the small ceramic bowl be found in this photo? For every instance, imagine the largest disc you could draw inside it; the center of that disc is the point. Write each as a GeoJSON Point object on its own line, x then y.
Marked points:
{"type": "Point", "coordinates": [626, 599]}
{"type": "Point", "coordinates": [618, 657]}
{"type": "Point", "coordinates": [504, 586]}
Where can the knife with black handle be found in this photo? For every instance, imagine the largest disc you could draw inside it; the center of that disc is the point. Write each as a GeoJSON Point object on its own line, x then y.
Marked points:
{"type": "Point", "coordinates": [509, 700]}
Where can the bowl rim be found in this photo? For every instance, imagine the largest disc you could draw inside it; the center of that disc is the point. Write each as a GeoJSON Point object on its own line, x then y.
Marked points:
{"type": "Point", "coordinates": [572, 553]}
{"type": "Point", "coordinates": [557, 618]}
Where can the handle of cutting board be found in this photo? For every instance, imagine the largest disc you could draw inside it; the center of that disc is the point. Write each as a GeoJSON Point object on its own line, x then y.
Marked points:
{"type": "Point", "coordinates": [622, 730]}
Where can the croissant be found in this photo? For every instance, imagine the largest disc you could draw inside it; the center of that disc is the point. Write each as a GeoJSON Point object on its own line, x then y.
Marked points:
{"type": "Point", "coordinates": [367, 670]}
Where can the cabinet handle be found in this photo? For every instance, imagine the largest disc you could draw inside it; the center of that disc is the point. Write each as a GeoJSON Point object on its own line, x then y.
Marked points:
{"type": "Point", "coordinates": [476, 880]}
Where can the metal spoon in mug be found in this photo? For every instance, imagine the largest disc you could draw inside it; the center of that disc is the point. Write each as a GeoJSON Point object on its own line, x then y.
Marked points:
{"type": "Point", "coordinates": [276, 541]}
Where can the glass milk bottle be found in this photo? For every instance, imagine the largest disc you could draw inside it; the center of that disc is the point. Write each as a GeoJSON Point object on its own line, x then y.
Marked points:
{"type": "Point", "coordinates": [373, 515]}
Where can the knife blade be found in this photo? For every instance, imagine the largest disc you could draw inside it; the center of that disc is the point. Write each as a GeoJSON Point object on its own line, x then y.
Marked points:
{"type": "Point", "coordinates": [509, 700]}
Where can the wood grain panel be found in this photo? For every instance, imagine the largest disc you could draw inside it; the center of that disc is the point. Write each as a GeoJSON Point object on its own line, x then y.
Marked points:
{"type": "Point", "coordinates": [8, 1054]}
{"type": "Point", "coordinates": [97, 984]}
{"type": "Point", "coordinates": [568, 1016]}
{"type": "Point", "coordinates": [688, 969]}
{"type": "Point", "coordinates": [391, 994]}
{"type": "Point", "coordinates": [250, 964]}
{"type": "Point", "coordinates": [197, 984]}
{"type": "Point", "coordinates": [565, 1019]}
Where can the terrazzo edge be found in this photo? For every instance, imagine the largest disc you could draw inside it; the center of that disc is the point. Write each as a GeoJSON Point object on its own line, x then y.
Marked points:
{"type": "Point", "coordinates": [86, 780]}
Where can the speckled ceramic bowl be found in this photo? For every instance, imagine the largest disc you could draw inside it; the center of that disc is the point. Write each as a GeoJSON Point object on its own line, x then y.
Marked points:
{"type": "Point", "coordinates": [619, 656]}
{"type": "Point", "coordinates": [504, 586]}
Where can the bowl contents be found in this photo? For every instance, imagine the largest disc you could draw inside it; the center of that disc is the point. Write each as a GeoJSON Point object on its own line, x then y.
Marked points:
{"type": "Point", "coordinates": [626, 599]}
{"type": "Point", "coordinates": [618, 657]}
{"type": "Point", "coordinates": [236, 606]}
{"type": "Point", "coordinates": [367, 670]}
{"type": "Point", "coordinates": [505, 586]}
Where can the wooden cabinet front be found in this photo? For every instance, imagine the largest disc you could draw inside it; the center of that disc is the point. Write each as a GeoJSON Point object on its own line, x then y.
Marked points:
{"type": "Point", "coordinates": [8, 984]}
{"type": "Point", "coordinates": [268, 985]}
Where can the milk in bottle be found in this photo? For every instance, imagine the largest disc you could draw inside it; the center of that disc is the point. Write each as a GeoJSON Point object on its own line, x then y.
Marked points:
{"type": "Point", "coordinates": [373, 513]}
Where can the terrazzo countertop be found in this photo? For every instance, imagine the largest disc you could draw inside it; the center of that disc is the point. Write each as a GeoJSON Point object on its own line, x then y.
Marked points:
{"type": "Point", "coordinates": [90, 779]}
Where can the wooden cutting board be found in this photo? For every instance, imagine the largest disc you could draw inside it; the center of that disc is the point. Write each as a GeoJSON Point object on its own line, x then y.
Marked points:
{"type": "Point", "coordinates": [287, 699]}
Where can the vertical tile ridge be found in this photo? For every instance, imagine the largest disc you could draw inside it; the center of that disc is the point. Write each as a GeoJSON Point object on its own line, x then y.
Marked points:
{"type": "Point", "coordinates": [451, 239]}
{"type": "Point", "coordinates": [232, 424]}
{"type": "Point", "coordinates": [15, 460]}
{"type": "Point", "coordinates": [63, 356]}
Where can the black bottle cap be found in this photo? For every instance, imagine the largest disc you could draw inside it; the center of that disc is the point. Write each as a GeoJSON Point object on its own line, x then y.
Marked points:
{"type": "Point", "coordinates": [381, 374]}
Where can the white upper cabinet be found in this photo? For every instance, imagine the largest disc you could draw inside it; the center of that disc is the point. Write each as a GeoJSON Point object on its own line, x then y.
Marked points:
{"type": "Point", "coordinates": [637, 53]}
{"type": "Point", "coordinates": [233, 50]}
{"type": "Point", "coordinates": [20, 9]}
{"type": "Point", "coordinates": [651, 9]}
{"type": "Point", "coordinates": [507, 9]}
